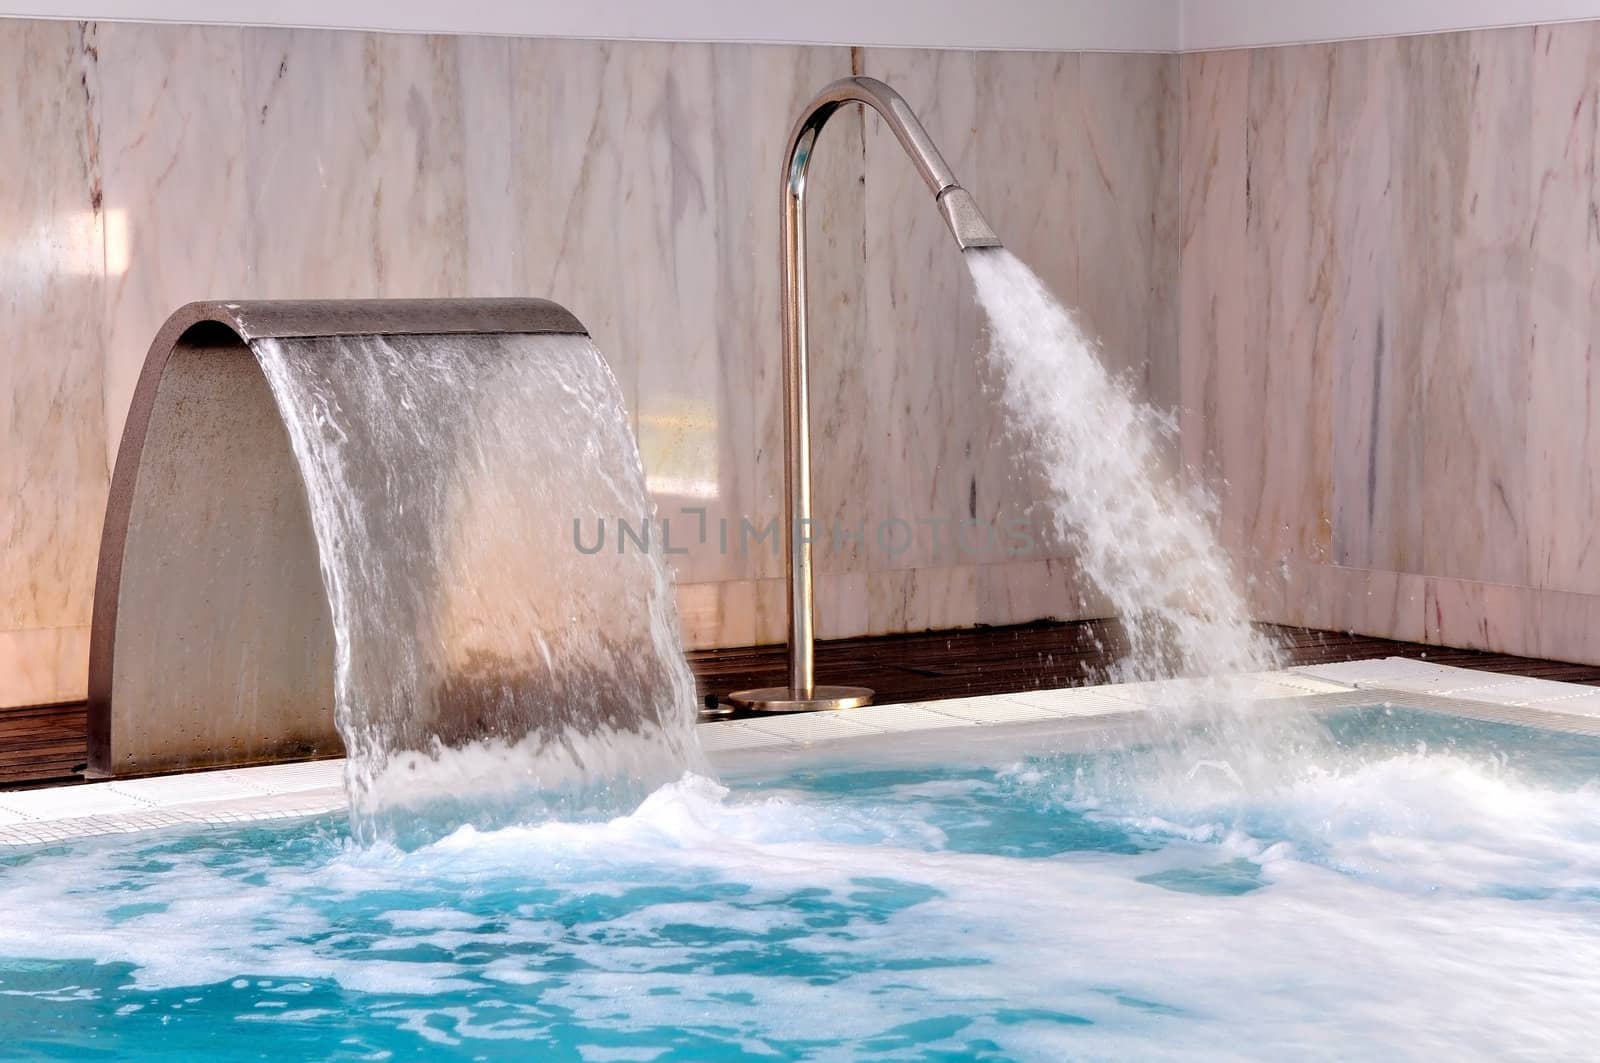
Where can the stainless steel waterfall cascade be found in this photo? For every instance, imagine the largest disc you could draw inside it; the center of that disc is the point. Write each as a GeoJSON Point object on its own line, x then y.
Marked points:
{"type": "Point", "coordinates": [969, 229]}
{"type": "Point", "coordinates": [212, 641]}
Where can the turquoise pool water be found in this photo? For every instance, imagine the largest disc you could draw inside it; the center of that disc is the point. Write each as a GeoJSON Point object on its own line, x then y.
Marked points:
{"type": "Point", "coordinates": [1415, 886]}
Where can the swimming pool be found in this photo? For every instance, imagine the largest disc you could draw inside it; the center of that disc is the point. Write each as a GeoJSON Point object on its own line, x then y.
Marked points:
{"type": "Point", "coordinates": [1417, 885]}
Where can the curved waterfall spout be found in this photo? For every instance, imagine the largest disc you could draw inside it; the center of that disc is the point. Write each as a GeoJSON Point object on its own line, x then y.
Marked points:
{"type": "Point", "coordinates": [212, 641]}
{"type": "Point", "coordinates": [970, 230]}
{"type": "Point", "coordinates": [352, 524]}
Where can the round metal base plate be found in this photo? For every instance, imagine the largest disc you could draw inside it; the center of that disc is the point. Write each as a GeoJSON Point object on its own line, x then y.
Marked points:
{"type": "Point", "coordinates": [782, 699]}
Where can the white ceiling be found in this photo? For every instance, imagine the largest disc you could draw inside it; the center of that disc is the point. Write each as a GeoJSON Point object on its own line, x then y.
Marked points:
{"type": "Point", "coordinates": [1041, 25]}
{"type": "Point", "coordinates": [1206, 25]}
{"type": "Point", "coordinates": [1044, 25]}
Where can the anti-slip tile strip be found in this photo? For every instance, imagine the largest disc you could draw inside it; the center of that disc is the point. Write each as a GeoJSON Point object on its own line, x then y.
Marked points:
{"type": "Point", "coordinates": [291, 791]}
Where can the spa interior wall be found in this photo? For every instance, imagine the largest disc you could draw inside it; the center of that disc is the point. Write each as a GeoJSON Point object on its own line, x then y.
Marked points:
{"type": "Point", "coordinates": [1389, 304]}
{"type": "Point", "coordinates": [151, 164]}
{"type": "Point", "coordinates": [1371, 293]}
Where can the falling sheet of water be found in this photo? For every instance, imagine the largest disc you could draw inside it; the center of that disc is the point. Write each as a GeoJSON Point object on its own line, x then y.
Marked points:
{"type": "Point", "coordinates": [484, 660]}
{"type": "Point", "coordinates": [1142, 539]}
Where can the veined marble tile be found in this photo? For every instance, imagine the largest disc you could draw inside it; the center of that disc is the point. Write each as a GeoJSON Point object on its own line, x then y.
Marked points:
{"type": "Point", "coordinates": [1377, 364]}
{"type": "Point", "coordinates": [757, 93]}
{"type": "Point", "coordinates": [1562, 477]}
{"type": "Point", "coordinates": [1520, 620]}
{"type": "Point", "coordinates": [929, 423]}
{"type": "Point", "coordinates": [1477, 128]}
{"type": "Point", "coordinates": [1213, 306]}
{"type": "Point", "coordinates": [1423, 190]}
{"type": "Point", "coordinates": [172, 152]}
{"type": "Point", "coordinates": [1126, 192]}
{"type": "Point", "coordinates": [704, 616]}
{"type": "Point", "coordinates": [40, 666]}
{"type": "Point", "coordinates": [748, 613]}
{"type": "Point", "coordinates": [1036, 588]}
{"type": "Point", "coordinates": [841, 605]}
{"type": "Point", "coordinates": [1564, 627]}
{"type": "Point", "coordinates": [1479, 616]}
{"type": "Point", "coordinates": [921, 599]}
{"type": "Point", "coordinates": [495, 261]}
{"type": "Point", "coordinates": [685, 194]}
{"type": "Point", "coordinates": [354, 147]}
{"type": "Point", "coordinates": [1278, 469]}
{"type": "Point", "coordinates": [1335, 598]}
{"type": "Point", "coordinates": [53, 472]}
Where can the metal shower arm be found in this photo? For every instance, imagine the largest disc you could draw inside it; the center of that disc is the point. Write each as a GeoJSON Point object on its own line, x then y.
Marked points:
{"type": "Point", "coordinates": [966, 224]}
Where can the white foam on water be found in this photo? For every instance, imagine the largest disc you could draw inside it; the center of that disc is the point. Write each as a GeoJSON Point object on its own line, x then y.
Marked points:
{"type": "Point", "coordinates": [421, 795]}
{"type": "Point", "coordinates": [1142, 539]}
{"type": "Point", "coordinates": [1422, 904]}
{"type": "Point", "coordinates": [1416, 821]}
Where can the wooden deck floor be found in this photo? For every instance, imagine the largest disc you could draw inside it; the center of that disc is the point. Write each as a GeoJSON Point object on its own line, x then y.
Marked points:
{"type": "Point", "coordinates": [45, 745]}
{"type": "Point", "coordinates": [1032, 656]}
{"type": "Point", "coordinates": [41, 744]}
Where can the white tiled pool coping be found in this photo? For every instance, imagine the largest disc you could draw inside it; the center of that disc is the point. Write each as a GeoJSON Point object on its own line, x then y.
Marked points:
{"type": "Point", "coordinates": [284, 791]}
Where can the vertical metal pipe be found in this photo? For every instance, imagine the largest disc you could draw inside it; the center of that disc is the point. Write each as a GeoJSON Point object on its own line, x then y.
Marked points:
{"type": "Point", "coordinates": [797, 421]}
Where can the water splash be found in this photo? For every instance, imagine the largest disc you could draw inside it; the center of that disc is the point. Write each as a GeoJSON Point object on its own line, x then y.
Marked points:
{"type": "Point", "coordinates": [1384, 903]}
{"type": "Point", "coordinates": [478, 650]}
{"type": "Point", "coordinates": [1140, 538]}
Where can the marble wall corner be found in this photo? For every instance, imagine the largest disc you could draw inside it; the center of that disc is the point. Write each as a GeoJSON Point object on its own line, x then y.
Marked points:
{"type": "Point", "coordinates": [1389, 254]}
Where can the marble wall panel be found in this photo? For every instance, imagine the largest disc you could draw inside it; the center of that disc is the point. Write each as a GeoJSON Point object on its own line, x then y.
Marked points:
{"type": "Point", "coordinates": [673, 167]}
{"type": "Point", "coordinates": [1214, 311]}
{"type": "Point", "coordinates": [1474, 483]}
{"type": "Point", "coordinates": [354, 149]}
{"type": "Point", "coordinates": [1377, 327]}
{"type": "Point", "coordinates": [53, 472]}
{"type": "Point", "coordinates": [1126, 216]}
{"type": "Point", "coordinates": [1418, 254]}
{"type": "Point", "coordinates": [929, 425]}
{"type": "Point", "coordinates": [1562, 473]}
{"type": "Point", "coordinates": [1340, 598]}
{"type": "Point", "coordinates": [1279, 500]}
{"type": "Point", "coordinates": [172, 121]}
